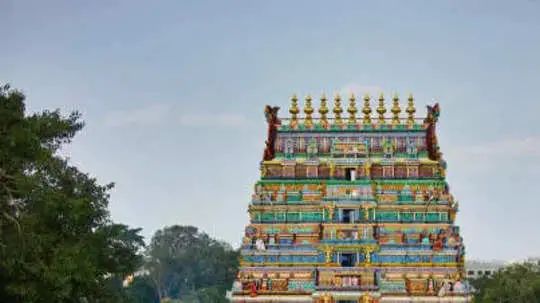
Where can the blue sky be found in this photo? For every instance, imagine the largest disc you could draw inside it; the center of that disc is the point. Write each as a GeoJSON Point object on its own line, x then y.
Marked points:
{"type": "Point", "coordinates": [173, 92]}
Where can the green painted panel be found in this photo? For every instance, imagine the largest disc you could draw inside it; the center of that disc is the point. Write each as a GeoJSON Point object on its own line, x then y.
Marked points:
{"type": "Point", "coordinates": [280, 217]}
{"type": "Point", "coordinates": [293, 216]}
{"type": "Point", "coordinates": [444, 217]}
{"type": "Point", "coordinates": [386, 216]}
{"type": "Point", "coordinates": [407, 217]}
{"type": "Point", "coordinates": [312, 216]}
{"type": "Point", "coordinates": [432, 217]}
{"type": "Point", "coordinates": [267, 217]}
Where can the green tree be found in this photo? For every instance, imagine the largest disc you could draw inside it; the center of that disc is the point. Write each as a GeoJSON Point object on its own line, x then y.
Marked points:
{"type": "Point", "coordinates": [57, 242]}
{"type": "Point", "coordinates": [141, 290]}
{"type": "Point", "coordinates": [517, 283]}
{"type": "Point", "coordinates": [186, 264]}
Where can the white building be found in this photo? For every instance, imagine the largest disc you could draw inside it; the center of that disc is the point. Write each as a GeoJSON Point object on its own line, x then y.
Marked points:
{"type": "Point", "coordinates": [476, 268]}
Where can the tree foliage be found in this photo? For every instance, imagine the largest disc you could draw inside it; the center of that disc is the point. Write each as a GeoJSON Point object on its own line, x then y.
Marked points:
{"type": "Point", "coordinates": [142, 290]}
{"type": "Point", "coordinates": [57, 242]}
{"type": "Point", "coordinates": [188, 265]}
{"type": "Point", "coordinates": [517, 283]}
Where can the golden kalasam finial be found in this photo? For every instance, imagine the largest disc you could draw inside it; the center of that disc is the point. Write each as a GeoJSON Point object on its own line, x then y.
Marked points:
{"type": "Point", "coordinates": [338, 110]}
{"type": "Point", "coordinates": [367, 109]}
{"type": "Point", "coordinates": [294, 111]}
{"type": "Point", "coordinates": [381, 110]}
{"type": "Point", "coordinates": [352, 109]}
{"type": "Point", "coordinates": [395, 110]}
{"type": "Point", "coordinates": [308, 110]}
{"type": "Point", "coordinates": [410, 111]}
{"type": "Point", "coordinates": [323, 110]}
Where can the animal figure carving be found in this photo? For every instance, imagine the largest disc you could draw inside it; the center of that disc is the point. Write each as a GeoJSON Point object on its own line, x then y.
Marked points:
{"type": "Point", "coordinates": [433, 113]}
{"type": "Point", "coordinates": [271, 114]}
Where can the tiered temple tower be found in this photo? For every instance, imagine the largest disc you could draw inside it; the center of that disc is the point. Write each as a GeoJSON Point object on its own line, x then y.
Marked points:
{"type": "Point", "coordinates": [353, 208]}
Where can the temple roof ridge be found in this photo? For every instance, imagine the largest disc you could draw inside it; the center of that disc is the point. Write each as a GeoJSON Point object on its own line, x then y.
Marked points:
{"type": "Point", "coordinates": [321, 117]}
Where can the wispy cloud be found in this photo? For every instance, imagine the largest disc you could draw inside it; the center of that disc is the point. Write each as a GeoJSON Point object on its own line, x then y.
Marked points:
{"type": "Point", "coordinates": [159, 114]}
{"type": "Point", "coordinates": [148, 115]}
{"type": "Point", "coordinates": [213, 119]}
{"type": "Point", "coordinates": [527, 147]}
{"type": "Point", "coordinates": [495, 155]}
{"type": "Point", "coordinates": [360, 89]}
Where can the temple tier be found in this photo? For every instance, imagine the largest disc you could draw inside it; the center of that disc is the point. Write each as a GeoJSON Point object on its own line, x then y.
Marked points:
{"type": "Point", "coordinates": [352, 209]}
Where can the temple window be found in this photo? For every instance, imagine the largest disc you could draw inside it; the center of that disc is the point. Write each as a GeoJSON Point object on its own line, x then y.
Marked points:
{"type": "Point", "coordinates": [350, 174]}
{"type": "Point", "coordinates": [346, 260]}
{"type": "Point", "coordinates": [347, 216]}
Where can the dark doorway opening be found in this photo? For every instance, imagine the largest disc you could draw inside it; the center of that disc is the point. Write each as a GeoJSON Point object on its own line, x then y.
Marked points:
{"type": "Point", "coordinates": [350, 174]}
{"type": "Point", "coordinates": [347, 260]}
{"type": "Point", "coordinates": [348, 216]}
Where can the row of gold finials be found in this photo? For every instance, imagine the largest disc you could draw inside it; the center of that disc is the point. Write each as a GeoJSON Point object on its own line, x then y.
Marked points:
{"type": "Point", "coordinates": [352, 110]}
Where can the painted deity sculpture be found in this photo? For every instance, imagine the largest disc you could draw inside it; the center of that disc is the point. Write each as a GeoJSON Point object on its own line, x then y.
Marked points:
{"type": "Point", "coordinates": [357, 211]}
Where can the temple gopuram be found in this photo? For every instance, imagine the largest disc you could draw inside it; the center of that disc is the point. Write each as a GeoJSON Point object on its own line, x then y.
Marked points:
{"type": "Point", "coordinates": [352, 208]}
